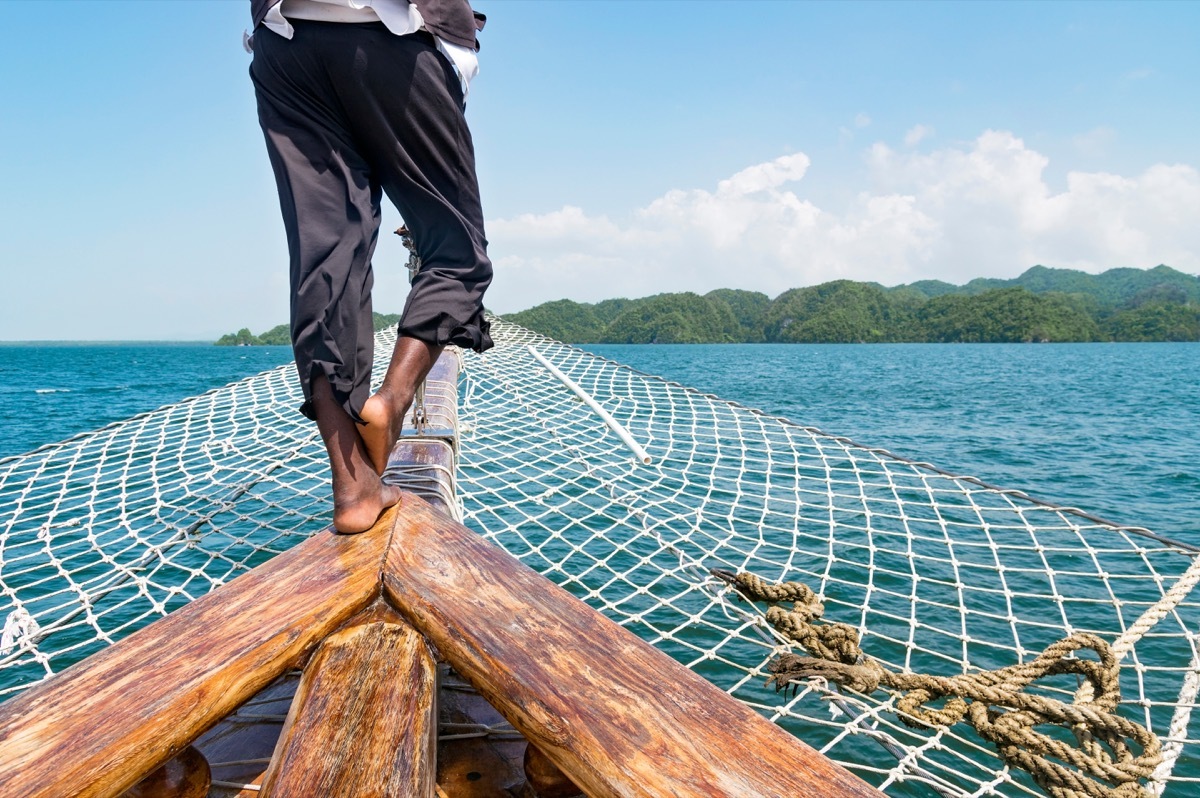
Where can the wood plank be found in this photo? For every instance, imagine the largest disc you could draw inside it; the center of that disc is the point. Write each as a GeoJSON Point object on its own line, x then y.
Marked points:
{"type": "Point", "coordinates": [424, 466]}
{"type": "Point", "coordinates": [364, 720]}
{"type": "Point", "coordinates": [545, 778]}
{"type": "Point", "coordinates": [473, 765]}
{"type": "Point", "coordinates": [619, 717]}
{"type": "Point", "coordinates": [103, 724]}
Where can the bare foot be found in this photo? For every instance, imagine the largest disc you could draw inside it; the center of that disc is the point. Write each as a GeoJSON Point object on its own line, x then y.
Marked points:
{"type": "Point", "coordinates": [356, 507]}
{"type": "Point", "coordinates": [359, 496]}
{"type": "Point", "coordinates": [384, 417]}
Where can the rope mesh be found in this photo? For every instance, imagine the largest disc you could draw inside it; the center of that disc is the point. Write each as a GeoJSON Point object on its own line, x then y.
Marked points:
{"type": "Point", "coordinates": [103, 533]}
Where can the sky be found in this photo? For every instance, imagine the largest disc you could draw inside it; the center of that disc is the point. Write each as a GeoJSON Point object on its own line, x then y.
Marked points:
{"type": "Point", "coordinates": [624, 147]}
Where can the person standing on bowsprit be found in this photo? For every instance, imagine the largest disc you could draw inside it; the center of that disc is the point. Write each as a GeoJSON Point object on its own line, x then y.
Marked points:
{"type": "Point", "coordinates": [357, 99]}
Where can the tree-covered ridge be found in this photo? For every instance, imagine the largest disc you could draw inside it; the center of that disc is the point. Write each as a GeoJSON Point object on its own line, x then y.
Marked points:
{"type": "Point", "coordinates": [1043, 304]}
{"type": "Point", "coordinates": [281, 335]}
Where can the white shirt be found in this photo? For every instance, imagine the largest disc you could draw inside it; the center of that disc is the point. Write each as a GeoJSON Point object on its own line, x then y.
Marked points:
{"type": "Point", "coordinates": [399, 16]}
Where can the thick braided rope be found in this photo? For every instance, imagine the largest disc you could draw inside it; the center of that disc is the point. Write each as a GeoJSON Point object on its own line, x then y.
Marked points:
{"type": "Point", "coordinates": [1101, 764]}
{"type": "Point", "coordinates": [105, 532]}
{"type": "Point", "coordinates": [1164, 606]}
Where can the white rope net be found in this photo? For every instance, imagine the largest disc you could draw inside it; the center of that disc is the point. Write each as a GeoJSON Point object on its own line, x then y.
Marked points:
{"type": "Point", "coordinates": [105, 532]}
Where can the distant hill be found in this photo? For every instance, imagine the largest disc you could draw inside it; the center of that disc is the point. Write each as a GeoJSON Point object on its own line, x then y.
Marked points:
{"type": "Point", "coordinates": [281, 335]}
{"type": "Point", "coordinates": [674, 319]}
{"type": "Point", "coordinates": [1043, 304]}
{"type": "Point", "coordinates": [1110, 288]}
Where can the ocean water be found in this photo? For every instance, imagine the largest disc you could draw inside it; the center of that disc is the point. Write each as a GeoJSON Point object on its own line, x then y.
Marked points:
{"type": "Point", "coordinates": [51, 391]}
{"type": "Point", "coordinates": [1113, 429]}
{"type": "Point", "coordinates": [1110, 428]}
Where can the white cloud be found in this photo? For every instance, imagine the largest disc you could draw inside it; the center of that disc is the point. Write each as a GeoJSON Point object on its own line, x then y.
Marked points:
{"type": "Point", "coordinates": [916, 134]}
{"type": "Point", "coordinates": [979, 209]}
{"type": "Point", "coordinates": [861, 120]}
{"type": "Point", "coordinates": [787, 169]}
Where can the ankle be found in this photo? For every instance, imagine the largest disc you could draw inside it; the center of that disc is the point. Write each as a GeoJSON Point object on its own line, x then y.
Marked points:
{"type": "Point", "coordinates": [397, 402]}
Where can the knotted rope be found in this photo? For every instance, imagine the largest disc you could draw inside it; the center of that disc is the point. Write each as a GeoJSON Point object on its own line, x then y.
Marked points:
{"type": "Point", "coordinates": [1101, 763]}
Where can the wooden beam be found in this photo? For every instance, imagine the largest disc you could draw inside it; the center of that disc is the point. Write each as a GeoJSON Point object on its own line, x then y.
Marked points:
{"type": "Point", "coordinates": [424, 466]}
{"type": "Point", "coordinates": [619, 717]}
{"type": "Point", "coordinates": [249, 734]}
{"type": "Point", "coordinates": [364, 720]}
{"type": "Point", "coordinates": [98, 727]}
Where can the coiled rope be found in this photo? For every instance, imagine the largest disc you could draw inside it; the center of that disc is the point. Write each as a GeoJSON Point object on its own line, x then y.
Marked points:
{"type": "Point", "coordinates": [1101, 763]}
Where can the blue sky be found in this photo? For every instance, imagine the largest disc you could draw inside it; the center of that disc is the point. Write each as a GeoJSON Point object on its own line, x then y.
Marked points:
{"type": "Point", "coordinates": [625, 148]}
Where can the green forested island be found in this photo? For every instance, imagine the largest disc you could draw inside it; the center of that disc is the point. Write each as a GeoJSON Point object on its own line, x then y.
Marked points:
{"type": "Point", "coordinates": [281, 335]}
{"type": "Point", "coordinates": [1042, 305]}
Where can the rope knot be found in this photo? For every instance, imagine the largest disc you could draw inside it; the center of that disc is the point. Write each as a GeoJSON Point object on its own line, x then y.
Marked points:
{"type": "Point", "coordinates": [19, 628]}
{"type": "Point", "coordinates": [1101, 763]}
{"type": "Point", "coordinates": [788, 670]}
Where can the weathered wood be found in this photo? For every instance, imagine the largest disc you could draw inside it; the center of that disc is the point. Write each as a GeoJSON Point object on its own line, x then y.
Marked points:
{"type": "Point", "coordinates": [617, 716]}
{"type": "Point", "coordinates": [364, 720]}
{"type": "Point", "coordinates": [183, 776]}
{"type": "Point", "coordinates": [100, 726]}
{"type": "Point", "coordinates": [424, 466]}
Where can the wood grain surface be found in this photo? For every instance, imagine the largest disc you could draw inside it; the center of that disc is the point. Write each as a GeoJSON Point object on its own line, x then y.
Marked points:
{"type": "Point", "coordinates": [98, 727]}
{"type": "Point", "coordinates": [424, 466]}
{"type": "Point", "coordinates": [616, 715]}
{"type": "Point", "coordinates": [364, 720]}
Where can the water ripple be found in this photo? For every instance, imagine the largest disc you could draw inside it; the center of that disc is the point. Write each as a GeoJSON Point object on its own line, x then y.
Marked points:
{"type": "Point", "coordinates": [1109, 428]}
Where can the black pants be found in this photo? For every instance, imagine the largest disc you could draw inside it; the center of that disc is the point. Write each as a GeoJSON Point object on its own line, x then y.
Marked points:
{"type": "Point", "coordinates": [350, 112]}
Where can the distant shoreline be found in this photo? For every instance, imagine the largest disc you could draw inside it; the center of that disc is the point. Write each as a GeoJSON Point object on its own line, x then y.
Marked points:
{"type": "Point", "coordinates": [885, 343]}
{"type": "Point", "coordinates": [102, 342]}
{"type": "Point", "coordinates": [1043, 305]}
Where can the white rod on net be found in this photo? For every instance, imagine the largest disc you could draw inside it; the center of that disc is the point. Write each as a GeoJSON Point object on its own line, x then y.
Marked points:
{"type": "Point", "coordinates": [1177, 731]}
{"type": "Point", "coordinates": [605, 416]}
{"type": "Point", "coordinates": [1137, 630]}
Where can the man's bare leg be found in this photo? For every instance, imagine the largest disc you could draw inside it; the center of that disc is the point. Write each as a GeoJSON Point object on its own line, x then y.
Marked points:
{"type": "Point", "coordinates": [384, 412]}
{"type": "Point", "coordinates": [359, 496]}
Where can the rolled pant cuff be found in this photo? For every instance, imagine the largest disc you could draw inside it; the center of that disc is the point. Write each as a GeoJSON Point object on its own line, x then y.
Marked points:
{"type": "Point", "coordinates": [472, 334]}
{"type": "Point", "coordinates": [350, 395]}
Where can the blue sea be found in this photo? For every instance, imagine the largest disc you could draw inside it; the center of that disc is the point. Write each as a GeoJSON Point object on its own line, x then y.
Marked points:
{"type": "Point", "coordinates": [52, 391]}
{"type": "Point", "coordinates": [1113, 429]}
{"type": "Point", "coordinates": [1109, 428]}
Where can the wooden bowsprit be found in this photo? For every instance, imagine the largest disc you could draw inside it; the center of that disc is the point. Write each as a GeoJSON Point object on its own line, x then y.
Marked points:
{"type": "Point", "coordinates": [569, 679]}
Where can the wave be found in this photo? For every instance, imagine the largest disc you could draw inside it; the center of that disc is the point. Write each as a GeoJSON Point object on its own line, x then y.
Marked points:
{"type": "Point", "coordinates": [51, 390]}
